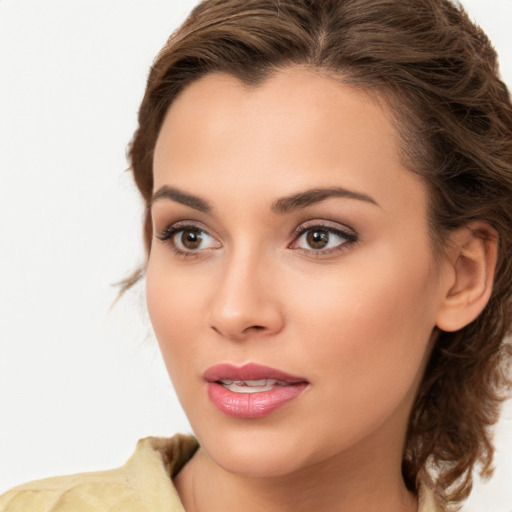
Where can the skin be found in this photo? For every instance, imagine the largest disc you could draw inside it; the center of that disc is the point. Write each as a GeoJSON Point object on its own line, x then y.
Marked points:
{"type": "Point", "coordinates": [356, 322]}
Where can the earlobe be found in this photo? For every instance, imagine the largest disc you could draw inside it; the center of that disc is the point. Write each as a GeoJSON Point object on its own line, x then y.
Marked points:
{"type": "Point", "coordinates": [472, 260]}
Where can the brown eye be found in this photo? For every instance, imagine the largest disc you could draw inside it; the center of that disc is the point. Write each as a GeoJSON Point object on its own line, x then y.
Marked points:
{"type": "Point", "coordinates": [323, 239]}
{"type": "Point", "coordinates": [317, 238]}
{"type": "Point", "coordinates": [191, 238]}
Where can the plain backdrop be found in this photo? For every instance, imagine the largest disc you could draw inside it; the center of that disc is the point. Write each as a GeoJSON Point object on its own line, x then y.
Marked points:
{"type": "Point", "coordinates": [80, 382]}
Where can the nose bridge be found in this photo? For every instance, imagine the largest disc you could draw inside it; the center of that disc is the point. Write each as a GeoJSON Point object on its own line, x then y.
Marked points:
{"type": "Point", "coordinates": [245, 303]}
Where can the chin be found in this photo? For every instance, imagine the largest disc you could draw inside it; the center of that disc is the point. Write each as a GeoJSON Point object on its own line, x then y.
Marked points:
{"type": "Point", "coordinates": [258, 463]}
{"type": "Point", "coordinates": [255, 454]}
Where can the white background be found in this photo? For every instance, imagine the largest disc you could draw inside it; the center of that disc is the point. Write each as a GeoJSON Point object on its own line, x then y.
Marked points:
{"type": "Point", "coordinates": [80, 383]}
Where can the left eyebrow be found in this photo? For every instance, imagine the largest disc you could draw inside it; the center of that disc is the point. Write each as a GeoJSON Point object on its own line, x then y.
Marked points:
{"type": "Point", "coordinates": [179, 196]}
{"type": "Point", "coordinates": [316, 195]}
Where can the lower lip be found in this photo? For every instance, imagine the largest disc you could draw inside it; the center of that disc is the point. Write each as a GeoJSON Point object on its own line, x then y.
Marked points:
{"type": "Point", "coordinates": [253, 405]}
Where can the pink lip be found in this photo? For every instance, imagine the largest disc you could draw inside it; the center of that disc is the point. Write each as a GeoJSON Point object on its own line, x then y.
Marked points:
{"type": "Point", "coordinates": [251, 405]}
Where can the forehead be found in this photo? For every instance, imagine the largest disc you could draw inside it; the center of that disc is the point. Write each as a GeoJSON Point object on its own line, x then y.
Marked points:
{"type": "Point", "coordinates": [295, 128]}
{"type": "Point", "coordinates": [290, 99]}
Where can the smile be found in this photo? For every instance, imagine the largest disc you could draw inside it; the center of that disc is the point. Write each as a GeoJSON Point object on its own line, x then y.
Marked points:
{"type": "Point", "coordinates": [251, 386]}
{"type": "Point", "coordinates": [251, 391]}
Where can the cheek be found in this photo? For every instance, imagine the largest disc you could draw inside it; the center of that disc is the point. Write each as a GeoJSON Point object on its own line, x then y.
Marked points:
{"type": "Point", "coordinates": [174, 310]}
{"type": "Point", "coordinates": [368, 330]}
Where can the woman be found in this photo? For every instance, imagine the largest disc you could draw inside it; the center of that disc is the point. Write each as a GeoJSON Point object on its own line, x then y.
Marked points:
{"type": "Point", "coordinates": [328, 193]}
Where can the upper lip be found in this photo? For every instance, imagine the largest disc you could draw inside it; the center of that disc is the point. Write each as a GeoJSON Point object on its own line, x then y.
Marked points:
{"type": "Point", "coordinates": [250, 371]}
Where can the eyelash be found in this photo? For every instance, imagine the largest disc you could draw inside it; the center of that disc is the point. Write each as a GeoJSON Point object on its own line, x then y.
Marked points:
{"type": "Point", "coordinates": [348, 235]}
{"type": "Point", "coordinates": [171, 231]}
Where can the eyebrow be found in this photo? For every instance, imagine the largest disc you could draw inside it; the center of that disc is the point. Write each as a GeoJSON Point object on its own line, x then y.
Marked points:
{"type": "Point", "coordinates": [181, 197]}
{"type": "Point", "coordinates": [282, 205]}
{"type": "Point", "coordinates": [316, 195]}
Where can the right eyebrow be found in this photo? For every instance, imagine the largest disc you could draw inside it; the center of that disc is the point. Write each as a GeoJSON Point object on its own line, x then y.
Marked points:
{"type": "Point", "coordinates": [178, 196]}
{"type": "Point", "coordinates": [316, 195]}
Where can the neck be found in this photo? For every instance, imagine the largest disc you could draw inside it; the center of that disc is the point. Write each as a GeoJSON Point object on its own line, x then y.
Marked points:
{"type": "Point", "coordinates": [361, 481]}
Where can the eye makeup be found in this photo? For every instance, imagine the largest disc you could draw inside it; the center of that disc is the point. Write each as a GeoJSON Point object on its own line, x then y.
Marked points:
{"type": "Point", "coordinates": [321, 238]}
{"type": "Point", "coordinates": [314, 238]}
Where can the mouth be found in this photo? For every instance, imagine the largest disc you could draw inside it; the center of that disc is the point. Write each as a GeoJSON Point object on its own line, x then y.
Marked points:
{"type": "Point", "coordinates": [251, 391]}
{"type": "Point", "coordinates": [251, 386]}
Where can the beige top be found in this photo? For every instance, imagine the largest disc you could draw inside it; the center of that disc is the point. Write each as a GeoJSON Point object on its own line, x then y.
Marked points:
{"type": "Point", "coordinates": [143, 484]}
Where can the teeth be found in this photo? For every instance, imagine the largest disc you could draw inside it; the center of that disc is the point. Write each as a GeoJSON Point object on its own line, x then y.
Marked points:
{"type": "Point", "coordinates": [261, 382]}
{"type": "Point", "coordinates": [251, 386]}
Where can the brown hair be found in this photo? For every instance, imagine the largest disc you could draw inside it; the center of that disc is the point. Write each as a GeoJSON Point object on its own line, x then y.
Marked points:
{"type": "Point", "coordinates": [439, 74]}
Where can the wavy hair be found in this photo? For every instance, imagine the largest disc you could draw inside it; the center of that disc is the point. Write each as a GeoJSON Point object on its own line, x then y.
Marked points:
{"type": "Point", "coordinates": [439, 75]}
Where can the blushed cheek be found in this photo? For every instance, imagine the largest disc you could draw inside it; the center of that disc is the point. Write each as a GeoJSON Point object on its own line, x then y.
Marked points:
{"type": "Point", "coordinates": [173, 347]}
{"type": "Point", "coordinates": [375, 323]}
{"type": "Point", "coordinates": [170, 298]}
{"type": "Point", "coordinates": [174, 306]}
{"type": "Point", "coordinates": [161, 299]}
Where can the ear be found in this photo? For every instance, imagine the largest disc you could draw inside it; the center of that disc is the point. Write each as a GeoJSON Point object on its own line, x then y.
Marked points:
{"type": "Point", "coordinates": [471, 265]}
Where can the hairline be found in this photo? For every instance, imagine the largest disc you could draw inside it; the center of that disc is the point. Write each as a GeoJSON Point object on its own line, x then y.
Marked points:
{"type": "Point", "coordinates": [403, 114]}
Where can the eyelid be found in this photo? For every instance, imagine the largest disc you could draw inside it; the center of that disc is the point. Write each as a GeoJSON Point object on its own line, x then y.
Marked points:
{"type": "Point", "coordinates": [325, 224]}
{"type": "Point", "coordinates": [336, 228]}
{"type": "Point", "coordinates": [167, 234]}
{"type": "Point", "coordinates": [179, 225]}
{"type": "Point", "coordinates": [343, 231]}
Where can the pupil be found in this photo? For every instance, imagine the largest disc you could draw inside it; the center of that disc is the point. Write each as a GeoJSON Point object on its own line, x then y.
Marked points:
{"type": "Point", "coordinates": [191, 239]}
{"type": "Point", "coordinates": [318, 239]}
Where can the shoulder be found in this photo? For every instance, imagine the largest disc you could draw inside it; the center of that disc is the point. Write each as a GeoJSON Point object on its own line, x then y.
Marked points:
{"type": "Point", "coordinates": [79, 493]}
{"type": "Point", "coordinates": [143, 484]}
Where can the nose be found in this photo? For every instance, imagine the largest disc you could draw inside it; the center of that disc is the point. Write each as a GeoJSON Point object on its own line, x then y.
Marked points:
{"type": "Point", "coordinates": [245, 303]}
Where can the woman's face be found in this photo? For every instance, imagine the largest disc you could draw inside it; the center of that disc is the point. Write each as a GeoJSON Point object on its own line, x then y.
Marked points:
{"type": "Point", "coordinates": [288, 234]}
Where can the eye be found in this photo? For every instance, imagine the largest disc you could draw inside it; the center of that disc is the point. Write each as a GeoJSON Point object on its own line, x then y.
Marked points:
{"type": "Point", "coordinates": [188, 239]}
{"type": "Point", "coordinates": [322, 239]}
